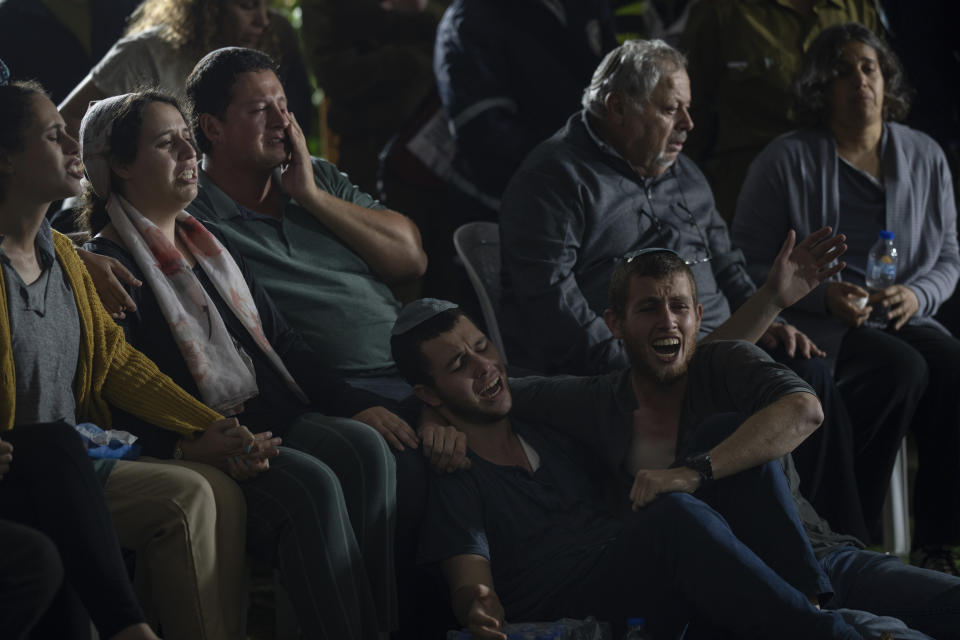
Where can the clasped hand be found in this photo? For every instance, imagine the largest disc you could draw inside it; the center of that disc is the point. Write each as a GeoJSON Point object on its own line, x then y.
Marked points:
{"type": "Point", "coordinates": [650, 483]}
{"type": "Point", "coordinates": [844, 301]}
{"type": "Point", "coordinates": [230, 446]}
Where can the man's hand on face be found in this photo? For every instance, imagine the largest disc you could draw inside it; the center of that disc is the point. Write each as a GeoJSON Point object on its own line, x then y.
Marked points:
{"type": "Point", "coordinates": [847, 302]}
{"type": "Point", "coordinates": [650, 483]}
{"type": "Point", "coordinates": [799, 268]}
{"type": "Point", "coordinates": [297, 173]}
{"type": "Point", "coordinates": [794, 342]}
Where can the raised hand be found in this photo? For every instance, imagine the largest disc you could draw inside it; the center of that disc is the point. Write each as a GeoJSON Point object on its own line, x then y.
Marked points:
{"type": "Point", "coordinates": [799, 268]}
{"type": "Point", "coordinates": [297, 172]}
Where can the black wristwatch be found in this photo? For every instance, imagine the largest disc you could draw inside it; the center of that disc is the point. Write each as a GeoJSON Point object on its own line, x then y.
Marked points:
{"type": "Point", "coordinates": [702, 465]}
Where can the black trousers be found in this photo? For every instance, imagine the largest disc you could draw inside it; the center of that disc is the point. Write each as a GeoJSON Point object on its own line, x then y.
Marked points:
{"type": "Point", "coordinates": [893, 382]}
{"type": "Point", "coordinates": [825, 460]}
{"type": "Point", "coordinates": [30, 576]}
{"type": "Point", "coordinates": [52, 487]}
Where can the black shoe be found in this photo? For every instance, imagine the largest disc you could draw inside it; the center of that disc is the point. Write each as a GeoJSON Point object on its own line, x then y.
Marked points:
{"type": "Point", "coordinates": [936, 559]}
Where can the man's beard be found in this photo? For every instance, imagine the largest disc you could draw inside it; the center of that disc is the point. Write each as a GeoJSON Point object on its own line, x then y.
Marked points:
{"type": "Point", "coordinates": [473, 413]}
{"type": "Point", "coordinates": [662, 376]}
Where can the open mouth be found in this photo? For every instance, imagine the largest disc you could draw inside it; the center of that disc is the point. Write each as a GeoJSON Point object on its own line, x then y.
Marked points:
{"type": "Point", "coordinates": [188, 174]}
{"type": "Point", "coordinates": [668, 347]}
{"type": "Point", "coordinates": [75, 169]}
{"type": "Point", "coordinates": [492, 389]}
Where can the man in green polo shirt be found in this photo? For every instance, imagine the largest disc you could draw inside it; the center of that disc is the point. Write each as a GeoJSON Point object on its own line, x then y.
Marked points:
{"type": "Point", "coordinates": [325, 251]}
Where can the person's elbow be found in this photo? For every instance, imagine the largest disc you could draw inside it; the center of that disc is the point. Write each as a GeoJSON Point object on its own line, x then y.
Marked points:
{"type": "Point", "coordinates": [807, 412]}
{"type": "Point", "coordinates": [409, 259]}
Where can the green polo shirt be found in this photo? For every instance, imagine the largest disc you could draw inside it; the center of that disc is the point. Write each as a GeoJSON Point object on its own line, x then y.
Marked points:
{"type": "Point", "coordinates": [323, 288]}
{"type": "Point", "coordinates": [743, 58]}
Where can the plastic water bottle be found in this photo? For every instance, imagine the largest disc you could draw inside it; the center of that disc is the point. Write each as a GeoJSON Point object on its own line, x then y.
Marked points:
{"type": "Point", "coordinates": [881, 273]}
{"type": "Point", "coordinates": [636, 629]}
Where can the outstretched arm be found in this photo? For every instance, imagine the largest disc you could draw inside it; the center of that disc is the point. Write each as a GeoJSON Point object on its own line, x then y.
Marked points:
{"type": "Point", "coordinates": [796, 271]}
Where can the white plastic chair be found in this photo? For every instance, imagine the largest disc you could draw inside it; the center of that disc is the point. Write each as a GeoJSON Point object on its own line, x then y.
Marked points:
{"type": "Point", "coordinates": [478, 246]}
{"type": "Point", "coordinates": [896, 510]}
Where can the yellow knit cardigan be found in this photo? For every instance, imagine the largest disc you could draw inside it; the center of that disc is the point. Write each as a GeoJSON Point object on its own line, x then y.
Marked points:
{"type": "Point", "coordinates": [108, 369]}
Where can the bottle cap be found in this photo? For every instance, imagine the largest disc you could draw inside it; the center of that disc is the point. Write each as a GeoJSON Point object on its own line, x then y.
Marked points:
{"type": "Point", "coordinates": [886, 235]}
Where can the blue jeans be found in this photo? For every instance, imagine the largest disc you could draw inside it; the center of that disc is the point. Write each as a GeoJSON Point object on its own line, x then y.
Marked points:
{"type": "Point", "coordinates": [733, 555]}
{"type": "Point", "coordinates": [928, 601]}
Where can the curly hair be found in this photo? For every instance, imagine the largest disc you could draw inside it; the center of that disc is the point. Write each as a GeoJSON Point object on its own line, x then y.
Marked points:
{"type": "Point", "coordinates": [821, 66]}
{"type": "Point", "coordinates": [191, 25]}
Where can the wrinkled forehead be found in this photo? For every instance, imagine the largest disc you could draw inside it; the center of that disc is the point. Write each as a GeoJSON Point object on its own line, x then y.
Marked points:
{"type": "Point", "coordinates": [253, 86]}
{"type": "Point", "coordinates": [673, 285]}
{"type": "Point", "coordinates": [440, 350]}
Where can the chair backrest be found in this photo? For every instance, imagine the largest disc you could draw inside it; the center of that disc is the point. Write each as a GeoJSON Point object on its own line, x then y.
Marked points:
{"type": "Point", "coordinates": [478, 245]}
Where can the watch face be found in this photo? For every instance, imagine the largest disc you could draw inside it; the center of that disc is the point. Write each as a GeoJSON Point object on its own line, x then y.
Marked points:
{"type": "Point", "coordinates": [702, 465]}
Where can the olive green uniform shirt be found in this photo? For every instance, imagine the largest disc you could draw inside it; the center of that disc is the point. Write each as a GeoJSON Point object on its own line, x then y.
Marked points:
{"type": "Point", "coordinates": [743, 58]}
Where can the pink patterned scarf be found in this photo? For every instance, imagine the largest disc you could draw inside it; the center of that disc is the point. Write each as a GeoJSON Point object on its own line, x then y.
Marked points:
{"type": "Point", "coordinates": [222, 370]}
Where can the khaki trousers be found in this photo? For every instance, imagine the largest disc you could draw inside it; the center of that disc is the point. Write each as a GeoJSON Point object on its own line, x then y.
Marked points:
{"type": "Point", "coordinates": [187, 523]}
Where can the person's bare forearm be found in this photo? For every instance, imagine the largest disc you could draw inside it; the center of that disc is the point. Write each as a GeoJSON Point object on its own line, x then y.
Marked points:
{"type": "Point", "coordinates": [768, 434]}
{"type": "Point", "coordinates": [74, 106]}
{"type": "Point", "coordinates": [750, 321]}
{"type": "Point", "coordinates": [388, 241]}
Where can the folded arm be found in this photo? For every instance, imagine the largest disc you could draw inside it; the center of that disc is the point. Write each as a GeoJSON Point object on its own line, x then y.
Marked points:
{"type": "Point", "coordinates": [770, 433]}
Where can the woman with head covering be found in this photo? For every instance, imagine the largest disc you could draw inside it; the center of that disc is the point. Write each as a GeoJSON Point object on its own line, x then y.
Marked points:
{"type": "Point", "coordinates": [854, 168]}
{"type": "Point", "coordinates": [62, 360]}
{"type": "Point", "coordinates": [325, 510]}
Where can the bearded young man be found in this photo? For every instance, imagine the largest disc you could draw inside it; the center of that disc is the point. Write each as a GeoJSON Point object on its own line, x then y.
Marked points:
{"type": "Point", "coordinates": [528, 514]}
{"type": "Point", "coordinates": [639, 419]}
